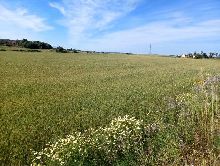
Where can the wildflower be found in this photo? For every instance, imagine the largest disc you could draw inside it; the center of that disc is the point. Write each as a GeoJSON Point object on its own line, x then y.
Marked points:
{"type": "Point", "coordinates": [38, 157]}
{"type": "Point", "coordinates": [122, 135]}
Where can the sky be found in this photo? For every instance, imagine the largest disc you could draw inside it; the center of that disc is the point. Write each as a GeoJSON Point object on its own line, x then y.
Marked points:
{"type": "Point", "coordinates": [170, 26]}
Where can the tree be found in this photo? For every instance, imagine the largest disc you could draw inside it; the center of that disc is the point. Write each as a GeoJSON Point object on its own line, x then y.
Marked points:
{"type": "Point", "coordinates": [211, 55]}
{"type": "Point", "coordinates": [61, 49]}
{"type": "Point", "coordinates": [36, 45]}
{"type": "Point", "coordinates": [204, 55]}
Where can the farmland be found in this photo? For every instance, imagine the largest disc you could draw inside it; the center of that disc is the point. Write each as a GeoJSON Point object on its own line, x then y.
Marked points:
{"type": "Point", "coordinates": [46, 96]}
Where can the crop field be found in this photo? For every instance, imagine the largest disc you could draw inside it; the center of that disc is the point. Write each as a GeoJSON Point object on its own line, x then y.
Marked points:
{"type": "Point", "coordinates": [46, 96]}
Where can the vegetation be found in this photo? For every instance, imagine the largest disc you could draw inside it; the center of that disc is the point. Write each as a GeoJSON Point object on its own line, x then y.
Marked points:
{"type": "Point", "coordinates": [25, 43]}
{"type": "Point", "coordinates": [108, 110]}
{"type": "Point", "coordinates": [2, 49]}
{"type": "Point", "coordinates": [26, 50]}
{"type": "Point", "coordinates": [201, 55]}
{"type": "Point", "coordinates": [61, 50]}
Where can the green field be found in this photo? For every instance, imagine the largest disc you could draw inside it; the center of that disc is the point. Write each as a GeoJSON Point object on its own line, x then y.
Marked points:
{"type": "Point", "coordinates": [45, 96]}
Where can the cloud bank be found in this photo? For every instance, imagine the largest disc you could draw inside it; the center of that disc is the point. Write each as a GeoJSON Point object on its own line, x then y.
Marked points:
{"type": "Point", "coordinates": [91, 25]}
{"type": "Point", "coordinates": [85, 18]}
{"type": "Point", "coordinates": [19, 23]}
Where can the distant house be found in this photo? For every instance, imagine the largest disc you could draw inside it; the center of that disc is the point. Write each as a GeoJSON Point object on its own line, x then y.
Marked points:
{"type": "Point", "coordinates": [201, 55]}
{"type": "Point", "coordinates": [183, 56]}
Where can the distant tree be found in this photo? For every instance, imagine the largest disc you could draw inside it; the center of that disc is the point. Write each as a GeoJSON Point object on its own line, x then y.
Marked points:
{"type": "Point", "coordinates": [190, 55]}
{"type": "Point", "coordinates": [204, 55]}
{"type": "Point", "coordinates": [75, 51]}
{"type": "Point", "coordinates": [61, 49]}
{"type": "Point", "coordinates": [196, 55]}
{"type": "Point", "coordinates": [211, 55]}
{"type": "Point", "coordinates": [23, 42]}
{"type": "Point", "coordinates": [46, 46]}
{"type": "Point", "coordinates": [26, 44]}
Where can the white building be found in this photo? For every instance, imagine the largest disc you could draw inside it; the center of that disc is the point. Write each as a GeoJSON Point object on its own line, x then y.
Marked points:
{"type": "Point", "coordinates": [183, 56]}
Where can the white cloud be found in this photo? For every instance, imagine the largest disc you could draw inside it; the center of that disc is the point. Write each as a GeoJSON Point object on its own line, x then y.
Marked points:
{"type": "Point", "coordinates": [20, 18]}
{"type": "Point", "coordinates": [58, 7]}
{"type": "Point", "coordinates": [84, 17]}
{"type": "Point", "coordinates": [87, 18]}
{"type": "Point", "coordinates": [156, 33]}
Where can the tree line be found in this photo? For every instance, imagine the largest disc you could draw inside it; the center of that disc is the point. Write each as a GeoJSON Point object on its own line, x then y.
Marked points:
{"type": "Point", "coordinates": [201, 55]}
{"type": "Point", "coordinates": [25, 44]}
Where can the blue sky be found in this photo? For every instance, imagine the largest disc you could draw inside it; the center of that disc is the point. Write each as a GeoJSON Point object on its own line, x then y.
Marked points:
{"type": "Point", "coordinates": [172, 27]}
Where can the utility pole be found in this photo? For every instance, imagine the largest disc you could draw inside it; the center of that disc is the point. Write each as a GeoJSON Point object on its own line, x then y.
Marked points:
{"type": "Point", "coordinates": [150, 49]}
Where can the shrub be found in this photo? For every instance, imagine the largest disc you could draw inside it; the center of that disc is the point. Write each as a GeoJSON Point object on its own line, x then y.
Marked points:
{"type": "Point", "coordinates": [198, 122]}
{"type": "Point", "coordinates": [61, 49]}
{"type": "Point", "coordinates": [123, 137]}
{"type": "Point", "coordinates": [33, 50]}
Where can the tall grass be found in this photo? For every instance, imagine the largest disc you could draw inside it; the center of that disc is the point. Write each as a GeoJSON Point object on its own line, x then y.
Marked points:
{"type": "Point", "coordinates": [198, 123]}
{"type": "Point", "coordinates": [186, 134]}
{"type": "Point", "coordinates": [45, 97]}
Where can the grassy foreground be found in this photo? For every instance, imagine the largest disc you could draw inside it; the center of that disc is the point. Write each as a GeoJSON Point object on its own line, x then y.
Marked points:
{"type": "Point", "coordinates": [47, 96]}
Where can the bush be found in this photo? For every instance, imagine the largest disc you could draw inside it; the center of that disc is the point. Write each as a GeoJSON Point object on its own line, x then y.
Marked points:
{"type": "Point", "coordinates": [61, 50]}
{"type": "Point", "coordinates": [122, 138]}
{"type": "Point", "coordinates": [20, 50]}
{"type": "Point", "coordinates": [34, 51]}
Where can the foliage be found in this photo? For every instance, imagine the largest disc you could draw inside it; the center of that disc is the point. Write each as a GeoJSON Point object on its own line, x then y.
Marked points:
{"type": "Point", "coordinates": [47, 97]}
{"type": "Point", "coordinates": [61, 50]}
{"type": "Point", "coordinates": [201, 55]}
{"type": "Point", "coordinates": [26, 44]}
{"type": "Point", "coordinates": [25, 50]}
{"type": "Point", "coordinates": [124, 136]}
{"type": "Point", "coordinates": [34, 44]}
